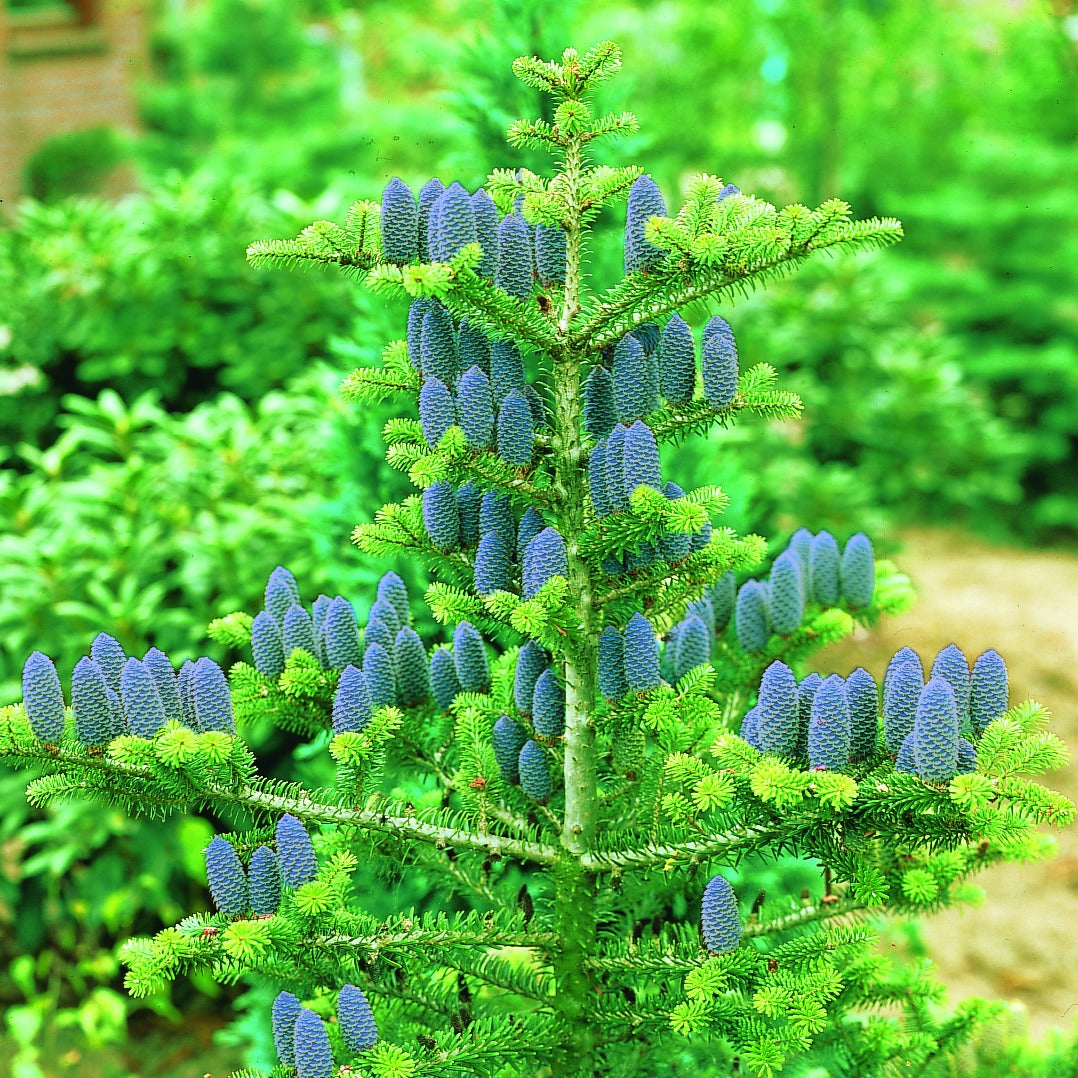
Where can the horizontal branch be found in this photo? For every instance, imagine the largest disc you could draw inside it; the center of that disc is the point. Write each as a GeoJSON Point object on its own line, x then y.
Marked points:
{"type": "Point", "coordinates": [688, 852]}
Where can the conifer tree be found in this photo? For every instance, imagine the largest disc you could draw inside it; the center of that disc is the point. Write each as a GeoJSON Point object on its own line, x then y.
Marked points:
{"type": "Point", "coordinates": [619, 713]}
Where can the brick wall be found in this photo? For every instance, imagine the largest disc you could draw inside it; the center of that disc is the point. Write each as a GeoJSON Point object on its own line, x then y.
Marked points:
{"type": "Point", "coordinates": [65, 68]}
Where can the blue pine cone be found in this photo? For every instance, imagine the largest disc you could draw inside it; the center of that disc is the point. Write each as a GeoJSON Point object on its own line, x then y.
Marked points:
{"type": "Point", "coordinates": [264, 881]}
{"type": "Point", "coordinates": [378, 632]}
{"type": "Point", "coordinates": [383, 610]}
{"type": "Point", "coordinates": [548, 705]}
{"type": "Point", "coordinates": [676, 546]}
{"type": "Point", "coordinates": [506, 370]}
{"type": "Point", "coordinates": [531, 524]}
{"type": "Point", "coordinates": [777, 710]}
{"type": "Point", "coordinates": [514, 273]}
{"type": "Point", "coordinates": [641, 654]}
{"type": "Point", "coordinates": [413, 675]}
{"type": "Point", "coordinates": [900, 657]}
{"type": "Point", "coordinates": [441, 518]}
{"type": "Point", "coordinates": [987, 694]}
{"type": "Point", "coordinates": [640, 460]}
{"type": "Point", "coordinates": [611, 664]}
{"type": "Point", "coordinates": [829, 727]}
{"type": "Point", "coordinates": [95, 721]}
{"type": "Point", "coordinates": [475, 408]}
{"type": "Point", "coordinates": [516, 430]}
{"type": "Point", "coordinates": [967, 758]}
{"type": "Point", "coordinates": [786, 594]}
{"type": "Point", "coordinates": [110, 658]}
{"type": "Point", "coordinates": [600, 413]}
{"type": "Point", "coordinates": [720, 917]}
{"type": "Point", "coordinates": [550, 254]}
{"type": "Point", "coordinates": [267, 646]}
{"type": "Point", "coordinates": [600, 503]}
{"type": "Point", "coordinates": [436, 410]}
{"type": "Point", "coordinates": [645, 202]}
{"type": "Point", "coordinates": [677, 364]}
{"type": "Point", "coordinates": [750, 727]}
{"type": "Point", "coordinates": [340, 635]}
{"type": "Point", "coordinates": [352, 707]}
{"type": "Point", "coordinates": [355, 1019]}
{"type": "Point", "coordinates": [286, 1010]}
{"type": "Point", "coordinates": [723, 595]}
{"type": "Point", "coordinates": [534, 771]}
{"type": "Point", "coordinates": [438, 346]}
{"type": "Point", "coordinates": [693, 646]}
{"type": "Point", "coordinates": [298, 631]}
{"type": "Point", "coordinates": [429, 194]}
{"type": "Point", "coordinates": [823, 574]}
{"type": "Point", "coordinates": [719, 367]}
{"type": "Point", "coordinates": [392, 589]}
{"type": "Point", "coordinates": [164, 677]}
{"type": "Point", "coordinates": [281, 592]}
{"type": "Point", "coordinates": [295, 851]}
{"type": "Point", "coordinates": [864, 700]}
{"type": "Point", "coordinates": [212, 698]}
{"type": "Point", "coordinates": [226, 878]}
{"type": "Point", "coordinates": [486, 232]}
{"type": "Point", "coordinates": [953, 666]}
{"type": "Point", "coordinates": [906, 760]}
{"type": "Point", "coordinates": [900, 696]}
{"type": "Point", "coordinates": [857, 571]}
{"type": "Point", "coordinates": [614, 461]}
{"type": "Point", "coordinates": [400, 223]}
{"type": "Point", "coordinates": [491, 570]}
{"type": "Point", "coordinates": [636, 385]}
{"type": "Point", "coordinates": [473, 348]}
{"type": "Point", "coordinates": [751, 621]}
{"type": "Point", "coordinates": [935, 732]}
{"type": "Point", "coordinates": [314, 1057]}
{"type": "Point", "coordinates": [381, 673]}
{"type": "Point", "coordinates": [508, 738]}
{"type": "Point", "coordinates": [43, 697]}
{"type": "Point", "coordinates": [806, 693]}
{"type": "Point", "coordinates": [143, 709]}
{"type": "Point", "coordinates": [456, 222]}
{"type": "Point", "coordinates": [496, 514]}
{"type": "Point", "coordinates": [470, 657]}
{"type": "Point", "coordinates": [801, 543]}
{"type": "Point", "coordinates": [416, 313]}
{"type": "Point", "coordinates": [544, 559]}
{"type": "Point", "coordinates": [444, 685]}
{"type": "Point", "coordinates": [532, 660]}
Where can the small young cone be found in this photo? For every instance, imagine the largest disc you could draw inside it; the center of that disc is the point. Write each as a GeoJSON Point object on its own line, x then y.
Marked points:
{"type": "Point", "coordinates": [857, 571]}
{"type": "Point", "coordinates": [720, 918]}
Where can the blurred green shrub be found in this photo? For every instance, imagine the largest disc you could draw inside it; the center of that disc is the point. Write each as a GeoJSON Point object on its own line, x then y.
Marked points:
{"type": "Point", "coordinates": [73, 163]}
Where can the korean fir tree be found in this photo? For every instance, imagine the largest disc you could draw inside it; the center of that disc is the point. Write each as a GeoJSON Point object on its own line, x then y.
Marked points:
{"type": "Point", "coordinates": [618, 718]}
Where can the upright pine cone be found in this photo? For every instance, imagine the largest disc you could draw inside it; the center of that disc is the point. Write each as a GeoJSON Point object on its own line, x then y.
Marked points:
{"type": "Point", "coordinates": [900, 695]}
{"type": "Point", "coordinates": [676, 546]}
{"type": "Point", "coordinates": [314, 1057]}
{"type": "Point", "coordinates": [267, 646]}
{"type": "Point", "coordinates": [514, 273]}
{"type": "Point", "coordinates": [164, 677]}
{"type": "Point", "coordinates": [531, 524]}
{"type": "Point", "coordinates": [295, 851]}
{"type": "Point", "coordinates": [473, 348]}
{"type": "Point", "coordinates": [645, 202]}
{"type": "Point", "coordinates": [778, 711]}
{"type": "Point", "coordinates": [636, 392]}
{"type": "Point", "coordinates": [110, 658]}
{"type": "Point", "coordinates": [723, 595]}
{"type": "Point", "coordinates": [693, 646]}
{"type": "Point", "coordinates": [413, 675]}
{"type": "Point", "coordinates": [751, 621]}
{"type": "Point", "coordinates": [491, 570]}
{"type": "Point", "coordinates": [640, 460]}
{"type": "Point", "coordinates": [355, 1019]}
{"type": "Point", "coordinates": [470, 657]}
{"type": "Point", "coordinates": [475, 408]}
{"type": "Point", "coordinates": [508, 738]}
{"type": "Point", "coordinates": [900, 657]}
{"type": "Point", "coordinates": [264, 881]}
{"type": "Point", "coordinates": [392, 590]}
{"type": "Point", "coordinates": [298, 631]}
{"type": "Point", "coordinates": [226, 878]}
{"type": "Point", "coordinates": [506, 370]}
{"type": "Point", "coordinates": [806, 693]}
{"type": "Point", "coordinates": [719, 367]}
{"type": "Point", "coordinates": [340, 635]}
{"type": "Point", "coordinates": [800, 543]}
{"type": "Point", "coordinates": [600, 503]}
{"type": "Point", "coordinates": [516, 430]}
{"type": "Point", "coordinates": [441, 519]}
{"type": "Point", "coordinates": [381, 673]}
{"type": "Point", "coordinates": [829, 727]}
{"type": "Point", "coordinates": [438, 346]}
{"type": "Point", "coordinates": [864, 700]}
{"type": "Point", "coordinates": [43, 697]}
{"type": "Point", "coordinates": [400, 223]}
{"type": "Point", "coordinates": [436, 410]}
{"type": "Point", "coordinates": [548, 705]}
{"type": "Point", "coordinates": [281, 592]}
{"type": "Point", "coordinates": [600, 413]}
{"type": "Point", "coordinates": [611, 664]}
{"type": "Point", "coordinates": [935, 731]}
{"type": "Point", "coordinates": [534, 770]}
{"type": "Point", "coordinates": [95, 722]}
{"type": "Point", "coordinates": [953, 666]}
{"type": "Point", "coordinates": [496, 514]}
{"type": "Point", "coordinates": [443, 678]}
{"type": "Point", "coordinates": [429, 194]}
{"type": "Point", "coordinates": [857, 572]}
{"type": "Point", "coordinates": [550, 254]}
{"type": "Point", "coordinates": [824, 569]}
{"type": "Point", "coordinates": [352, 707]}
{"type": "Point", "coordinates": [532, 660]}
{"type": "Point", "coordinates": [614, 463]}
{"type": "Point", "coordinates": [286, 1010]}
{"type": "Point", "coordinates": [486, 232]}
{"type": "Point", "coordinates": [641, 654]}
{"type": "Point", "coordinates": [677, 367]}
{"type": "Point", "coordinates": [786, 591]}
{"type": "Point", "coordinates": [988, 690]}
{"type": "Point", "coordinates": [544, 559]}
{"type": "Point", "coordinates": [720, 918]}
{"type": "Point", "coordinates": [142, 702]}
{"type": "Point", "coordinates": [456, 222]}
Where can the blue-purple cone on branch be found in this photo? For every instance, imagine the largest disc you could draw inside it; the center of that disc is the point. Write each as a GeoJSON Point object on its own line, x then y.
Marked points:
{"type": "Point", "coordinates": [486, 232]}
{"type": "Point", "coordinates": [717, 326]}
{"type": "Point", "coordinates": [475, 408]}
{"type": "Point", "coordinates": [901, 657]}
{"type": "Point", "coordinates": [988, 690]}
{"type": "Point", "coordinates": [534, 770]}
{"type": "Point", "coordinates": [491, 569]}
{"type": "Point", "coordinates": [160, 667]}
{"type": "Point", "coordinates": [110, 658]}
{"type": "Point", "coordinates": [226, 878]}
{"type": "Point", "coordinates": [281, 592]}
{"type": "Point", "coordinates": [286, 1008]}
{"type": "Point", "coordinates": [675, 546]}
{"type": "Point", "coordinates": [400, 223]}
{"type": "Point", "coordinates": [143, 709]}
{"type": "Point", "coordinates": [508, 739]}
{"type": "Point", "coordinates": [393, 590]}
{"type": "Point", "coordinates": [267, 645]}
{"type": "Point", "coordinates": [295, 851]}
{"type": "Point", "coordinates": [723, 596]}
{"type": "Point", "coordinates": [531, 524]}
{"type": "Point", "coordinates": [413, 676]}
{"type": "Point", "coordinates": [381, 673]}
{"type": "Point", "coordinates": [516, 430]}
{"type": "Point", "coordinates": [441, 519]}
{"type": "Point", "coordinates": [720, 918]}
{"type": "Point", "coordinates": [640, 459]}
{"type": "Point", "coordinates": [967, 758]}
{"type": "Point", "coordinates": [540, 411]}
{"type": "Point", "coordinates": [864, 701]}
{"type": "Point", "coordinates": [750, 727]}
{"type": "Point", "coordinates": [184, 683]}
{"type": "Point", "coordinates": [801, 543]}
{"type": "Point", "coordinates": [727, 191]}
{"type": "Point", "coordinates": [514, 271]}
{"type": "Point", "coordinates": [384, 610]}
{"type": "Point", "coordinates": [436, 410]}
{"type": "Point", "coordinates": [636, 392]}
{"type": "Point", "coordinates": [700, 539]}
{"type": "Point", "coordinates": [703, 609]}
{"type": "Point", "coordinates": [900, 703]}
{"type": "Point", "coordinates": [641, 654]}
{"type": "Point", "coordinates": [456, 222]}
{"type": "Point", "coordinates": [823, 578]}
{"type": "Point", "coordinates": [906, 760]}
{"type": "Point", "coordinates": [719, 368]}
{"type": "Point", "coordinates": [597, 480]}
{"type": "Point", "coordinates": [648, 334]}
{"type": "Point", "coordinates": [340, 635]}
{"type": "Point", "coordinates": [95, 721]}
{"type": "Point", "coordinates": [297, 631]}
{"type": "Point", "coordinates": [857, 571]}
{"type": "Point", "coordinates": [548, 705]}
{"type": "Point", "coordinates": [645, 202]}
{"type": "Point", "coordinates": [429, 194]}
{"type": "Point", "coordinates": [786, 594]}
{"type": "Point", "coordinates": [416, 313]}
{"type": "Point", "coordinates": [264, 881]}
{"type": "Point", "coordinates": [444, 685]}
{"type": "Point", "coordinates": [352, 707]}
{"type": "Point", "coordinates": [550, 254]}
{"type": "Point", "coordinates": [468, 497]}
{"type": "Point", "coordinates": [544, 558]}
{"type": "Point", "coordinates": [43, 697]}
{"type": "Point", "coordinates": [506, 370]}
{"type": "Point", "coordinates": [806, 693]}
{"type": "Point", "coordinates": [212, 698]}
{"type": "Point", "coordinates": [611, 664]}
{"type": "Point", "coordinates": [355, 1019]}
{"type": "Point", "coordinates": [935, 731]}
{"type": "Point", "coordinates": [470, 657]}
{"type": "Point", "coordinates": [777, 711]}
{"type": "Point", "coordinates": [314, 1057]}
{"type": "Point", "coordinates": [677, 366]}
{"type": "Point", "coordinates": [532, 660]}
{"type": "Point", "coordinates": [751, 622]}
{"type": "Point", "coordinates": [473, 348]}
{"type": "Point", "coordinates": [378, 632]}
{"type": "Point", "coordinates": [829, 727]}
{"type": "Point", "coordinates": [438, 346]}
{"type": "Point", "coordinates": [496, 514]}
{"type": "Point", "coordinates": [952, 665]}
{"type": "Point", "coordinates": [614, 461]}
{"type": "Point", "coordinates": [600, 412]}
{"type": "Point", "coordinates": [693, 647]}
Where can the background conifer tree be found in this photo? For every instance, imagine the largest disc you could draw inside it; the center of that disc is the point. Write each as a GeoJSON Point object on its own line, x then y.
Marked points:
{"type": "Point", "coordinates": [616, 720]}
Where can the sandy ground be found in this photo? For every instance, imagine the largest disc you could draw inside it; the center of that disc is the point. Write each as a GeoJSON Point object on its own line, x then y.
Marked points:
{"type": "Point", "coordinates": [1023, 943]}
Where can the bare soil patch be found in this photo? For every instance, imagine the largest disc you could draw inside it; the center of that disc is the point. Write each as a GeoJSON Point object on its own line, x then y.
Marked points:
{"type": "Point", "coordinates": [1022, 944]}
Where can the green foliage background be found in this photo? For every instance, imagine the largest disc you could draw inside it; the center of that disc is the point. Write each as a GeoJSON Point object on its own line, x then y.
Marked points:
{"type": "Point", "coordinates": [172, 427]}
